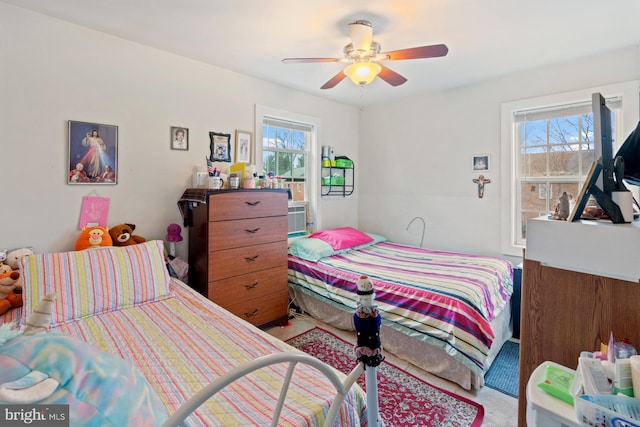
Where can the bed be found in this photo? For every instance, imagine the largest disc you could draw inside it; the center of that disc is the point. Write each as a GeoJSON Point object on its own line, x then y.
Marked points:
{"type": "Point", "coordinates": [122, 303]}
{"type": "Point", "coordinates": [447, 313]}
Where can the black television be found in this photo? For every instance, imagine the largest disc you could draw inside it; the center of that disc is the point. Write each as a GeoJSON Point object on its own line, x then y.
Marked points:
{"type": "Point", "coordinates": [601, 183]}
{"type": "Point", "coordinates": [603, 143]}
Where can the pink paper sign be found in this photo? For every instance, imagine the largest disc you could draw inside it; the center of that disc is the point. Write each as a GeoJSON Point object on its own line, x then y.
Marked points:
{"type": "Point", "coordinates": [95, 211]}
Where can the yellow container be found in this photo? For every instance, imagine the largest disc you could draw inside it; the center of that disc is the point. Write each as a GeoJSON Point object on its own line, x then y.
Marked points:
{"type": "Point", "coordinates": [240, 169]}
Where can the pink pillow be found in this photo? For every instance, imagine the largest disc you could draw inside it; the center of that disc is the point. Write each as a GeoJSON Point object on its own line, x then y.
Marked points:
{"type": "Point", "coordinates": [343, 238]}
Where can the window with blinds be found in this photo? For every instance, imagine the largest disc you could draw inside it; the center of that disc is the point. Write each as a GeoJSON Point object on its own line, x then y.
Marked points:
{"type": "Point", "coordinates": [554, 149]}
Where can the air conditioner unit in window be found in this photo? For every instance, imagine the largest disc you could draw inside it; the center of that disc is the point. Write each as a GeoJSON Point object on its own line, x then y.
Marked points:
{"type": "Point", "coordinates": [297, 218]}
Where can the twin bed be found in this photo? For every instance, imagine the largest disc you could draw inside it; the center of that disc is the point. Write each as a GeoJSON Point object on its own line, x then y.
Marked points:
{"type": "Point", "coordinates": [122, 302]}
{"type": "Point", "coordinates": [447, 313]}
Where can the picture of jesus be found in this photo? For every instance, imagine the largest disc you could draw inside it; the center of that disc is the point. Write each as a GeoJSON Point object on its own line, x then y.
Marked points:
{"type": "Point", "coordinates": [93, 153]}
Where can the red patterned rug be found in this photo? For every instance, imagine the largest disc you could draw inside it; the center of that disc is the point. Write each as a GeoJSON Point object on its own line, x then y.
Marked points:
{"type": "Point", "coordinates": [403, 399]}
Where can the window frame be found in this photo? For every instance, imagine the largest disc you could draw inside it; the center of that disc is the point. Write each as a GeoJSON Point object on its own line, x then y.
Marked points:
{"type": "Point", "coordinates": [311, 182]}
{"type": "Point", "coordinates": [628, 92]}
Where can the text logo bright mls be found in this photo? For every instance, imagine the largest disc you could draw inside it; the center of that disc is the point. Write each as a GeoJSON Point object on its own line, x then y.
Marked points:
{"type": "Point", "coordinates": [34, 415]}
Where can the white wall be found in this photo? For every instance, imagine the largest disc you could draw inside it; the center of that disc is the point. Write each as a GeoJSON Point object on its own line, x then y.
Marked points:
{"type": "Point", "coordinates": [52, 71]}
{"type": "Point", "coordinates": [413, 157]}
{"type": "Point", "coordinates": [416, 154]}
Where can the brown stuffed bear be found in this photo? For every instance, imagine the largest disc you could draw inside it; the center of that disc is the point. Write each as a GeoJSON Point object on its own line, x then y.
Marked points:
{"type": "Point", "coordinates": [122, 235]}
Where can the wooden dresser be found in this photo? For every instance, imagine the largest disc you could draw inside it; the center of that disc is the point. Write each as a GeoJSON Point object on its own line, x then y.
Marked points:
{"type": "Point", "coordinates": [580, 282]}
{"type": "Point", "coordinates": [238, 253]}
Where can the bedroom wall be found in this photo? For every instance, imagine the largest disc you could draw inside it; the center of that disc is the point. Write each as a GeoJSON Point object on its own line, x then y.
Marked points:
{"type": "Point", "coordinates": [53, 71]}
{"type": "Point", "coordinates": [416, 154]}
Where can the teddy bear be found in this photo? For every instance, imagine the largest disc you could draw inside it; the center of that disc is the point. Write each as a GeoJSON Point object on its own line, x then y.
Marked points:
{"type": "Point", "coordinates": [93, 236]}
{"type": "Point", "coordinates": [14, 255]}
{"type": "Point", "coordinates": [10, 297]}
{"type": "Point", "coordinates": [122, 235]}
{"type": "Point", "coordinates": [12, 261]}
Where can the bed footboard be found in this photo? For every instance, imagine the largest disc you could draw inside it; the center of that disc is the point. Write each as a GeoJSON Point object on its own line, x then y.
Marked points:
{"type": "Point", "coordinates": [293, 359]}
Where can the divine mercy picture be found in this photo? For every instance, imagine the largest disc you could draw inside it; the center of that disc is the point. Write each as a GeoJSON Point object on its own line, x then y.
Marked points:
{"type": "Point", "coordinates": [93, 153]}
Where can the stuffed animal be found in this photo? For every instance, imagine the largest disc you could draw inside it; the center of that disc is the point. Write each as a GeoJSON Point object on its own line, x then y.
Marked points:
{"type": "Point", "coordinates": [122, 235]}
{"type": "Point", "coordinates": [3, 255]}
{"type": "Point", "coordinates": [173, 233]}
{"type": "Point", "coordinates": [12, 260]}
{"type": "Point", "coordinates": [14, 255]}
{"type": "Point", "coordinates": [93, 237]}
{"type": "Point", "coordinates": [10, 297]}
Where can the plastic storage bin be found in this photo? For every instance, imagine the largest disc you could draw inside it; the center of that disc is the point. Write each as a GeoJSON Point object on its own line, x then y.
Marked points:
{"type": "Point", "coordinates": [607, 410]}
{"type": "Point", "coordinates": [544, 410]}
{"type": "Point", "coordinates": [344, 163]}
{"type": "Point", "coordinates": [333, 180]}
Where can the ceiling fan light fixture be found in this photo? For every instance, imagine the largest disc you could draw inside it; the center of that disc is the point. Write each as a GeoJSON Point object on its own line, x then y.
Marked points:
{"type": "Point", "coordinates": [362, 73]}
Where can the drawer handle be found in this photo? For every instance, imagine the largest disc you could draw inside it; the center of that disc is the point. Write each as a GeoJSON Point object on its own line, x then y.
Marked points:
{"type": "Point", "coordinates": [253, 313]}
{"type": "Point", "coordinates": [251, 259]}
{"type": "Point", "coordinates": [253, 203]}
{"type": "Point", "coordinates": [253, 286]}
{"type": "Point", "coordinates": [252, 231]}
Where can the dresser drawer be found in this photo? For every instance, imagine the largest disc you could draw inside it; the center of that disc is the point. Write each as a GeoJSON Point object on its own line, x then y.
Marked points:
{"type": "Point", "coordinates": [230, 291]}
{"type": "Point", "coordinates": [246, 232]}
{"type": "Point", "coordinates": [262, 310]}
{"type": "Point", "coordinates": [247, 204]}
{"type": "Point", "coordinates": [247, 259]}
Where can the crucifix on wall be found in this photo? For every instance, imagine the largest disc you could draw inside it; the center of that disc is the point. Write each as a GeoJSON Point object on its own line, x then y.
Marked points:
{"type": "Point", "coordinates": [481, 181]}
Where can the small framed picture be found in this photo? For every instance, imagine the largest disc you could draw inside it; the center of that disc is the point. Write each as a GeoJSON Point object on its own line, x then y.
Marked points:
{"type": "Point", "coordinates": [244, 146]}
{"type": "Point", "coordinates": [93, 153]}
{"type": "Point", "coordinates": [481, 163]}
{"type": "Point", "coordinates": [179, 138]}
{"type": "Point", "coordinates": [220, 147]}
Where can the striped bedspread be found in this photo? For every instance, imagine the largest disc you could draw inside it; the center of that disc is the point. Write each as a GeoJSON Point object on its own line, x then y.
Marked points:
{"type": "Point", "coordinates": [182, 343]}
{"type": "Point", "coordinates": [443, 298]}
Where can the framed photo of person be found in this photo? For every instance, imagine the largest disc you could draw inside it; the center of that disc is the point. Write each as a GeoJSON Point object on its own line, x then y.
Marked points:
{"type": "Point", "coordinates": [179, 138]}
{"type": "Point", "coordinates": [481, 163]}
{"type": "Point", "coordinates": [93, 153]}
{"type": "Point", "coordinates": [220, 147]}
{"type": "Point", "coordinates": [244, 146]}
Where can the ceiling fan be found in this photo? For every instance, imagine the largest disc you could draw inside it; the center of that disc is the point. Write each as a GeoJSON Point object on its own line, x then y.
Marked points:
{"type": "Point", "coordinates": [364, 56]}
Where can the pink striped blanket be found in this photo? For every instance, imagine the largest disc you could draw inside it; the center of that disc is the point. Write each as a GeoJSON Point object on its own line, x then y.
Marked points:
{"type": "Point", "coordinates": [446, 299]}
{"type": "Point", "coordinates": [183, 342]}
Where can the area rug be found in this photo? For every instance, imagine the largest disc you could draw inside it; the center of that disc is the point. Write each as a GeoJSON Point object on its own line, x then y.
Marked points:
{"type": "Point", "coordinates": [403, 399]}
{"type": "Point", "coordinates": [503, 373]}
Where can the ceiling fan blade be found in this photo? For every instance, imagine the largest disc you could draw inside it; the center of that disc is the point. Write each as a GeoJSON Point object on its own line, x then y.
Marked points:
{"type": "Point", "coordinates": [301, 60]}
{"type": "Point", "coordinates": [391, 77]}
{"type": "Point", "coordinates": [432, 51]}
{"type": "Point", "coordinates": [334, 80]}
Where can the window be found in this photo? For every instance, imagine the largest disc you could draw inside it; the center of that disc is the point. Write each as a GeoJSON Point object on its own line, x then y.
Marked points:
{"type": "Point", "coordinates": [286, 144]}
{"type": "Point", "coordinates": [550, 142]}
{"type": "Point", "coordinates": [285, 151]}
{"type": "Point", "coordinates": [554, 151]}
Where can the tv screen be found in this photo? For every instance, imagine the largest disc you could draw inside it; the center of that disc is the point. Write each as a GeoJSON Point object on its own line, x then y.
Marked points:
{"type": "Point", "coordinates": [603, 142]}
